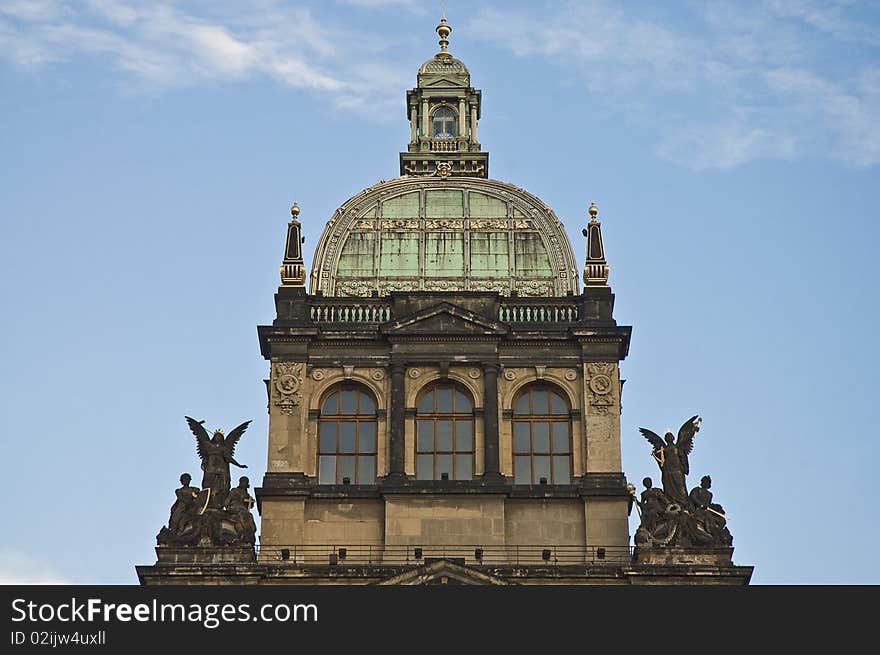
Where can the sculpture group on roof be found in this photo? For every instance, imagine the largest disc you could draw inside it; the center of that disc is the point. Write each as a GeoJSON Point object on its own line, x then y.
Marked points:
{"type": "Point", "coordinates": [215, 515]}
{"type": "Point", "coordinates": [672, 517]}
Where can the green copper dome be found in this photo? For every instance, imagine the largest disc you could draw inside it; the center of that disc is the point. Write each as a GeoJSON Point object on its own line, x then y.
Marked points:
{"type": "Point", "coordinates": [436, 234]}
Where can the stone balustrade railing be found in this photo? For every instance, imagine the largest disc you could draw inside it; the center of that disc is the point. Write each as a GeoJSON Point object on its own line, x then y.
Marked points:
{"type": "Point", "coordinates": [538, 313]}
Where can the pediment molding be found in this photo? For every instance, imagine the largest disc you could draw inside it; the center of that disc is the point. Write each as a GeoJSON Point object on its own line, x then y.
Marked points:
{"type": "Point", "coordinates": [442, 572]}
{"type": "Point", "coordinates": [444, 319]}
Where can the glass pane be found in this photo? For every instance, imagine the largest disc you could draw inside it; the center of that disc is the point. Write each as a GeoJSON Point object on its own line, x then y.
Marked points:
{"type": "Point", "coordinates": [521, 443]}
{"type": "Point", "coordinates": [560, 438]}
{"type": "Point", "coordinates": [541, 437]}
{"type": "Point", "coordinates": [444, 203]}
{"type": "Point", "coordinates": [558, 404]}
{"type": "Point", "coordinates": [463, 467]}
{"type": "Point", "coordinates": [444, 436]}
{"type": "Point", "coordinates": [366, 470]}
{"type": "Point", "coordinates": [328, 436]}
{"type": "Point", "coordinates": [405, 206]}
{"type": "Point", "coordinates": [444, 400]}
{"type": "Point", "coordinates": [522, 405]}
{"type": "Point", "coordinates": [327, 470]}
{"type": "Point", "coordinates": [367, 404]}
{"type": "Point", "coordinates": [522, 472]}
{"type": "Point", "coordinates": [425, 436]}
{"type": "Point", "coordinates": [367, 438]}
{"type": "Point", "coordinates": [444, 465]}
{"type": "Point", "coordinates": [346, 468]}
{"type": "Point", "coordinates": [489, 254]}
{"type": "Point", "coordinates": [426, 404]}
{"type": "Point", "coordinates": [464, 438]}
{"type": "Point", "coordinates": [542, 468]}
{"type": "Point", "coordinates": [562, 470]}
{"type": "Point", "coordinates": [349, 401]}
{"type": "Point", "coordinates": [444, 254]}
{"type": "Point", "coordinates": [357, 258]}
{"type": "Point", "coordinates": [530, 254]}
{"type": "Point", "coordinates": [331, 405]}
{"type": "Point", "coordinates": [462, 403]}
{"type": "Point", "coordinates": [347, 437]}
{"type": "Point", "coordinates": [539, 402]}
{"type": "Point", "coordinates": [399, 254]}
{"type": "Point", "coordinates": [425, 467]}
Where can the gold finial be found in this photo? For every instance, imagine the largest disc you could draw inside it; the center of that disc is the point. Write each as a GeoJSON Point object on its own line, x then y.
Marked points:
{"type": "Point", "coordinates": [443, 31]}
{"type": "Point", "coordinates": [294, 211]}
{"type": "Point", "coordinates": [594, 211]}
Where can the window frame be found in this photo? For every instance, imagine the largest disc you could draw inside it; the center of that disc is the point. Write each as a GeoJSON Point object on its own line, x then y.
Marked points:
{"type": "Point", "coordinates": [455, 418]}
{"type": "Point", "coordinates": [454, 117]}
{"type": "Point", "coordinates": [531, 419]}
{"type": "Point", "coordinates": [359, 419]}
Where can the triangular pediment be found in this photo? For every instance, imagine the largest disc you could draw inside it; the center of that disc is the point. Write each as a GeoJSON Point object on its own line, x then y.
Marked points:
{"type": "Point", "coordinates": [443, 572]}
{"type": "Point", "coordinates": [444, 319]}
{"type": "Point", "coordinates": [443, 82]}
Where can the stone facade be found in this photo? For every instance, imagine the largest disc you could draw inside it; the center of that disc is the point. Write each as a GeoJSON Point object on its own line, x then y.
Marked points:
{"type": "Point", "coordinates": [444, 404]}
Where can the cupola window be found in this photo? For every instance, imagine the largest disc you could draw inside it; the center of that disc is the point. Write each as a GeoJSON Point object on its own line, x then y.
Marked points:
{"type": "Point", "coordinates": [444, 123]}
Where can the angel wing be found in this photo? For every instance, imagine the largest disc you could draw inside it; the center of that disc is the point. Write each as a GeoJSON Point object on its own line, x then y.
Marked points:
{"type": "Point", "coordinates": [685, 441]}
{"type": "Point", "coordinates": [653, 438]}
{"type": "Point", "coordinates": [201, 434]}
{"type": "Point", "coordinates": [233, 437]}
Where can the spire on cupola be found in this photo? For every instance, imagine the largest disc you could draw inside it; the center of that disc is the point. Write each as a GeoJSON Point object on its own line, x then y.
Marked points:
{"type": "Point", "coordinates": [443, 31]}
{"type": "Point", "coordinates": [443, 111]}
{"type": "Point", "coordinates": [293, 269]}
{"type": "Point", "coordinates": [596, 268]}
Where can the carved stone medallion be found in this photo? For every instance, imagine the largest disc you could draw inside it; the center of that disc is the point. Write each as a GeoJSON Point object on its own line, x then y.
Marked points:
{"type": "Point", "coordinates": [288, 377]}
{"type": "Point", "coordinates": [600, 384]}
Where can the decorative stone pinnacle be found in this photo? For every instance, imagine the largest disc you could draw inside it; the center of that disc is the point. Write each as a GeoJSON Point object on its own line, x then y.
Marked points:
{"type": "Point", "coordinates": [293, 270]}
{"type": "Point", "coordinates": [596, 268]}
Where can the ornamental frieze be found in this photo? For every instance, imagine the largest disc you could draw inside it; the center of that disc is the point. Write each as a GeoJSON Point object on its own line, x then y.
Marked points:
{"type": "Point", "coordinates": [400, 224]}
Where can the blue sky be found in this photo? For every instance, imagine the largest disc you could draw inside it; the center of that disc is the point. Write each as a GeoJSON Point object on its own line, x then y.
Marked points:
{"type": "Point", "coordinates": [150, 152]}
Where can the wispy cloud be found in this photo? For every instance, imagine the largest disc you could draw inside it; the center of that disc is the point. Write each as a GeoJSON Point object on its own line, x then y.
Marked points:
{"type": "Point", "coordinates": [719, 83]}
{"type": "Point", "coordinates": [17, 568]}
{"type": "Point", "coordinates": [412, 6]}
{"type": "Point", "coordinates": [159, 45]}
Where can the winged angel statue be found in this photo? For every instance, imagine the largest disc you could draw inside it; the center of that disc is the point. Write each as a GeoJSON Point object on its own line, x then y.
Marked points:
{"type": "Point", "coordinates": [672, 457]}
{"type": "Point", "coordinates": [216, 455]}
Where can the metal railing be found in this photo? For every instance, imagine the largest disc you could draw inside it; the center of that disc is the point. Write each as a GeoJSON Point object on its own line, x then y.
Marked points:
{"type": "Point", "coordinates": [473, 555]}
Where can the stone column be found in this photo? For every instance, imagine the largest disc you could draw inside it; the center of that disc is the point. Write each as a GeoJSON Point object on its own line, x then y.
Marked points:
{"type": "Point", "coordinates": [491, 462]}
{"type": "Point", "coordinates": [414, 125]}
{"type": "Point", "coordinates": [426, 132]}
{"type": "Point", "coordinates": [397, 450]}
{"type": "Point", "coordinates": [473, 123]}
{"type": "Point", "coordinates": [462, 123]}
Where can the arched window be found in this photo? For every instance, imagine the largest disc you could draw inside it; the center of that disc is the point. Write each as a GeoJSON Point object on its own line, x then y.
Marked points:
{"type": "Point", "coordinates": [347, 437]}
{"type": "Point", "coordinates": [541, 437]}
{"type": "Point", "coordinates": [445, 433]}
{"type": "Point", "coordinates": [444, 123]}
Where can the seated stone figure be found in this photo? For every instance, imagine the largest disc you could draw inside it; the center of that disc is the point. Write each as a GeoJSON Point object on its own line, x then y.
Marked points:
{"type": "Point", "coordinates": [239, 504]}
{"type": "Point", "coordinates": [184, 509]}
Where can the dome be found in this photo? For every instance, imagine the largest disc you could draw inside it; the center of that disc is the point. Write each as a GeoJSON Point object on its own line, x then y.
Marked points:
{"type": "Point", "coordinates": [443, 234]}
{"type": "Point", "coordinates": [444, 65]}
